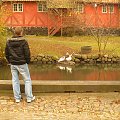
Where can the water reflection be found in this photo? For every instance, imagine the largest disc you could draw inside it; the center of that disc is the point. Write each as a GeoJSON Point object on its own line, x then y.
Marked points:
{"type": "Point", "coordinates": [60, 72]}
{"type": "Point", "coordinates": [66, 68]}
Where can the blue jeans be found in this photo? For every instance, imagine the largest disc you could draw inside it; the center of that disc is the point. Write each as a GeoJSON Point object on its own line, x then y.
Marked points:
{"type": "Point", "coordinates": [24, 71]}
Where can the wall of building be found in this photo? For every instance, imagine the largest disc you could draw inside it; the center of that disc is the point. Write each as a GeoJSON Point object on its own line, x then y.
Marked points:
{"type": "Point", "coordinates": [93, 17]}
{"type": "Point", "coordinates": [29, 17]}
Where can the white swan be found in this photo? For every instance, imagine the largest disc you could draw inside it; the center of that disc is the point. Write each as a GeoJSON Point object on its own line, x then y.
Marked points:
{"type": "Point", "coordinates": [69, 58]}
{"type": "Point", "coordinates": [61, 59]}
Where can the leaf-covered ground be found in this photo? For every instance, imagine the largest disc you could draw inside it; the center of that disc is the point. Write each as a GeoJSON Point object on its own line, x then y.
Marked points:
{"type": "Point", "coordinates": [63, 106]}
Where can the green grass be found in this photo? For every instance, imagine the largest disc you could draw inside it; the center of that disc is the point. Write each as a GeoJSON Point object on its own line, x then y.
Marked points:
{"type": "Point", "coordinates": [60, 45]}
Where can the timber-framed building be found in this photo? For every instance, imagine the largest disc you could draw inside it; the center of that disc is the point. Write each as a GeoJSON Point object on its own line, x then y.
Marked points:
{"type": "Point", "coordinates": [55, 15]}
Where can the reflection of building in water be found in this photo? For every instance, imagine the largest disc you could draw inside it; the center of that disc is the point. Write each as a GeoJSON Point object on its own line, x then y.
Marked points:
{"type": "Point", "coordinates": [103, 75]}
{"type": "Point", "coordinates": [66, 68]}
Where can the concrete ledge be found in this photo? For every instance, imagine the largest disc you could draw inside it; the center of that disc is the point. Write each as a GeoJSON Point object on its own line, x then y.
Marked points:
{"type": "Point", "coordinates": [66, 86]}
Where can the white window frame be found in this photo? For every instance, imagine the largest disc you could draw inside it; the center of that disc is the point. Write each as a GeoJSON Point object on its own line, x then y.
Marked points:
{"type": "Point", "coordinates": [17, 7]}
{"type": "Point", "coordinates": [80, 8]}
{"type": "Point", "coordinates": [111, 5]}
{"type": "Point", "coordinates": [103, 8]}
{"type": "Point", "coordinates": [43, 5]}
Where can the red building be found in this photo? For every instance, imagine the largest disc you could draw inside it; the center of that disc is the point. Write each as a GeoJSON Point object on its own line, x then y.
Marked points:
{"type": "Point", "coordinates": [58, 14]}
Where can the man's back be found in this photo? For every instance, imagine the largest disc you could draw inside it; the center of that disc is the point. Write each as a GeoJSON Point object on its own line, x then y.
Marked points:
{"type": "Point", "coordinates": [17, 51]}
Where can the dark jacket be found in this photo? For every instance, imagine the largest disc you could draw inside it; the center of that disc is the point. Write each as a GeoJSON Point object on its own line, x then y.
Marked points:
{"type": "Point", "coordinates": [17, 51]}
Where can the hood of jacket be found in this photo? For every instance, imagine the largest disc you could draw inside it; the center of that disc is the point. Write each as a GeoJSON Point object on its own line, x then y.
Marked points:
{"type": "Point", "coordinates": [16, 41]}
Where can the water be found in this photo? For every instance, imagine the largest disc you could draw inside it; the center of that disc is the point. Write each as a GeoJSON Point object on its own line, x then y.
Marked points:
{"type": "Point", "coordinates": [61, 72]}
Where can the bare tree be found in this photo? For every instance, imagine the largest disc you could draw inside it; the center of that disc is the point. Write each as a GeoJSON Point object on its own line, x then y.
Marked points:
{"type": "Point", "coordinates": [100, 31]}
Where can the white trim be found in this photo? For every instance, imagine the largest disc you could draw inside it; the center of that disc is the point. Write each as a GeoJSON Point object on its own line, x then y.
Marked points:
{"type": "Point", "coordinates": [17, 7]}
{"type": "Point", "coordinates": [103, 9]}
{"type": "Point", "coordinates": [41, 6]}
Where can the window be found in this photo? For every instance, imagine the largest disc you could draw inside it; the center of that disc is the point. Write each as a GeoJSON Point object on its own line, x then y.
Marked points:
{"type": "Point", "coordinates": [80, 8]}
{"type": "Point", "coordinates": [104, 9]}
{"type": "Point", "coordinates": [111, 8]}
{"type": "Point", "coordinates": [18, 7]}
{"type": "Point", "coordinates": [42, 7]}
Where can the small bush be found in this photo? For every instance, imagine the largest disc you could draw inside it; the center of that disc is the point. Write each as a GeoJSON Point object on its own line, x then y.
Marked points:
{"type": "Point", "coordinates": [2, 40]}
{"type": "Point", "coordinates": [4, 11]}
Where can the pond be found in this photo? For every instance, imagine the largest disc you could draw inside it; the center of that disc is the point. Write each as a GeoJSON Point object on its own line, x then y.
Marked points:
{"type": "Point", "coordinates": [62, 72]}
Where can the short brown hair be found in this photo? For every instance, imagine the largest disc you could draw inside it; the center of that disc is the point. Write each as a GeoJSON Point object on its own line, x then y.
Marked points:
{"type": "Point", "coordinates": [18, 30]}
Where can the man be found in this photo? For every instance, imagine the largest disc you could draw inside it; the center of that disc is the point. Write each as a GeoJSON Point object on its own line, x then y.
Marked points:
{"type": "Point", "coordinates": [18, 56]}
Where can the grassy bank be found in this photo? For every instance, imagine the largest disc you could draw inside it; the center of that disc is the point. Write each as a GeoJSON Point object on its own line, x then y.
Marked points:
{"type": "Point", "coordinates": [60, 45]}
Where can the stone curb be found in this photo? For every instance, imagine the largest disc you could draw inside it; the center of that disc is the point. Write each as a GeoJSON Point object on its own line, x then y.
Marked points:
{"type": "Point", "coordinates": [66, 86]}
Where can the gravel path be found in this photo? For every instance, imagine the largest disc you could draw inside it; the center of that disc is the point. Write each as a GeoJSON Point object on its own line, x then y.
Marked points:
{"type": "Point", "coordinates": [62, 106]}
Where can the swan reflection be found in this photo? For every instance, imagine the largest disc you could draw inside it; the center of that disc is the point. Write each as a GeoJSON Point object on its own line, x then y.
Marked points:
{"type": "Point", "coordinates": [65, 68]}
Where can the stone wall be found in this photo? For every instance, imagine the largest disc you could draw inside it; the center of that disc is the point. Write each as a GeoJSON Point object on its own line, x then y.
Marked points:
{"type": "Point", "coordinates": [44, 59]}
{"type": "Point", "coordinates": [76, 59]}
{"type": "Point", "coordinates": [32, 31]}
{"type": "Point", "coordinates": [93, 59]}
